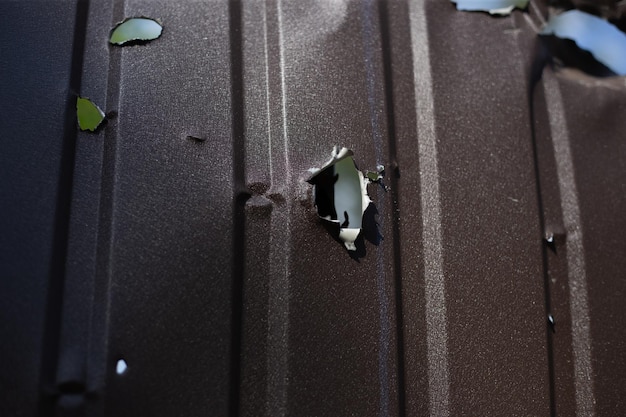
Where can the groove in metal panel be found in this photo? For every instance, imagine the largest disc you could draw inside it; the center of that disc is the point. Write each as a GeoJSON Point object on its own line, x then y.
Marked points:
{"type": "Point", "coordinates": [536, 70]}
{"type": "Point", "coordinates": [55, 362]}
{"type": "Point", "coordinates": [281, 44]}
{"type": "Point", "coordinates": [368, 10]}
{"type": "Point", "coordinates": [101, 313]}
{"type": "Point", "coordinates": [258, 144]}
{"type": "Point", "coordinates": [84, 236]}
{"type": "Point", "coordinates": [240, 196]}
{"type": "Point", "coordinates": [280, 237]}
{"type": "Point", "coordinates": [267, 95]}
{"type": "Point", "coordinates": [436, 316]}
{"type": "Point", "coordinates": [385, 33]}
{"type": "Point", "coordinates": [576, 270]}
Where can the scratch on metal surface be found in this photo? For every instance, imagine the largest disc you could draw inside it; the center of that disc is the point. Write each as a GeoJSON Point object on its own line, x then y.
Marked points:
{"type": "Point", "coordinates": [368, 10]}
{"type": "Point", "coordinates": [576, 269]}
{"type": "Point", "coordinates": [436, 316]}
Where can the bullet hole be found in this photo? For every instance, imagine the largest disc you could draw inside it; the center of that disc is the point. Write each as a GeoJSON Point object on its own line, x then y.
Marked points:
{"type": "Point", "coordinates": [88, 114]}
{"type": "Point", "coordinates": [121, 367]}
{"type": "Point", "coordinates": [135, 30]}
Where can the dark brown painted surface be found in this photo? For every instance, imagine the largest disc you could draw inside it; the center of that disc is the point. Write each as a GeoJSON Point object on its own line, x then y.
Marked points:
{"type": "Point", "coordinates": [205, 267]}
{"type": "Point", "coordinates": [34, 141]}
{"type": "Point", "coordinates": [171, 208]}
{"type": "Point", "coordinates": [492, 250]}
{"type": "Point", "coordinates": [599, 155]}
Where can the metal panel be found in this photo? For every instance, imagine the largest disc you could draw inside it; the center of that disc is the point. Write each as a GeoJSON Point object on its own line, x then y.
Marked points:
{"type": "Point", "coordinates": [203, 265]}
{"type": "Point", "coordinates": [331, 344]}
{"type": "Point", "coordinates": [171, 250]}
{"type": "Point", "coordinates": [490, 239]}
{"type": "Point", "coordinates": [35, 69]}
{"type": "Point", "coordinates": [584, 191]}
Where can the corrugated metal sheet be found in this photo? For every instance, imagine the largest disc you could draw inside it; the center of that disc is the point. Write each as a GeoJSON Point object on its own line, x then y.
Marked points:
{"type": "Point", "coordinates": [204, 266]}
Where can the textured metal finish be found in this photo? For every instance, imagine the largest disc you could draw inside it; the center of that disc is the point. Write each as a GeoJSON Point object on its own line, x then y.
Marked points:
{"type": "Point", "coordinates": [35, 137]}
{"type": "Point", "coordinates": [576, 270]}
{"type": "Point", "coordinates": [598, 154]}
{"type": "Point", "coordinates": [172, 253]}
{"type": "Point", "coordinates": [492, 248]}
{"type": "Point", "coordinates": [435, 305]}
{"type": "Point", "coordinates": [204, 266]}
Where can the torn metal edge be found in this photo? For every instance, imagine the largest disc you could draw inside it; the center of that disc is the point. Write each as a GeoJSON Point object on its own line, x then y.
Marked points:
{"type": "Point", "coordinates": [348, 235]}
{"type": "Point", "coordinates": [336, 156]}
{"type": "Point", "coordinates": [591, 33]}
{"type": "Point", "coordinates": [493, 7]}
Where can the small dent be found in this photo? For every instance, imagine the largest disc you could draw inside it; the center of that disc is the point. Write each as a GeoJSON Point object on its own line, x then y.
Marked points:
{"type": "Point", "coordinates": [258, 187]}
{"type": "Point", "coordinates": [196, 138]}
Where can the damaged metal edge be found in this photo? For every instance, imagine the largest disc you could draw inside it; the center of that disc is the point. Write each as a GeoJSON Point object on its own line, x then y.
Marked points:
{"type": "Point", "coordinates": [139, 37]}
{"type": "Point", "coordinates": [337, 155]}
{"type": "Point", "coordinates": [348, 201]}
{"type": "Point", "coordinates": [493, 7]}
{"type": "Point", "coordinates": [602, 39]}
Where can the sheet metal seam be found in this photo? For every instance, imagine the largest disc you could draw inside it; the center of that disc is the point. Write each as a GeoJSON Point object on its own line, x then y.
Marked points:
{"type": "Point", "coordinates": [280, 237]}
{"type": "Point", "coordinates": [368, 10]}
{"type": "Point", "coordinates": [100, 317]}
{"type": "Point", "coordinates": [576, 269]}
